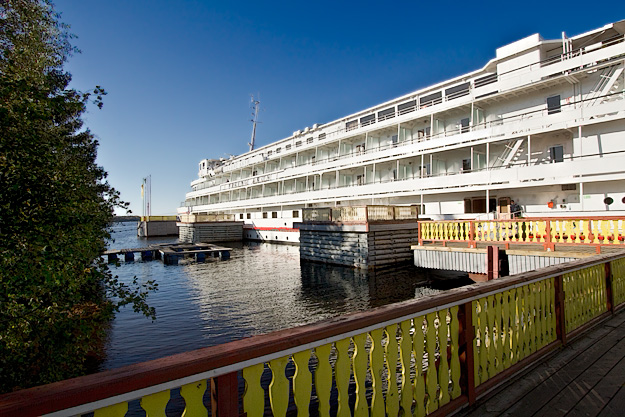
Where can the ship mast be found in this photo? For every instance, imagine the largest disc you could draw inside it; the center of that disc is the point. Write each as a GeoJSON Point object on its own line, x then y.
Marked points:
{"type": "Point", "coordinates": [256, 104]}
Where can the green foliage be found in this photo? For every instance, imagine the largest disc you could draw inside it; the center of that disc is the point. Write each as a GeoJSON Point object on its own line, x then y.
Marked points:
{"type": "Point", "coordinates": [56, 293]}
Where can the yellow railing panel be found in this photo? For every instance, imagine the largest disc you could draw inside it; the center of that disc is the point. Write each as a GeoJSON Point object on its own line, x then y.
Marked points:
{"type": "Point", "coordinates": [193, 395]}
{"type": "Point", "coordinates": [376, 359]}
{"type": "Point", "coordinates": [405, 349]}
{"type": "Point", "coordinates": [342, 373]}
{"type": "Point", "coordinates": [618, 281]}
{"type": "Point", "coordinates": [418, 343]}
{"type": "Point", "coordinates": [585, 296]}
{"type": "Point", "coordinates": [510, 326]}
{"type": "Point", "coordinates": [279, 386]}
{"type": "Point", "coordinates": [390, 351]}
{"type": "Point", "coordinates": [359, 363]}
{"type": "Point", "coordinates": [154, 404]}
{"type": "Point", "coordinates": [115, 410]}
{"type": "Point", "coordinates": [254, 395]}
{"type": "Point", "coordinates": [302, 382]}
{"type": "Point", "coordinates": [323, 378]}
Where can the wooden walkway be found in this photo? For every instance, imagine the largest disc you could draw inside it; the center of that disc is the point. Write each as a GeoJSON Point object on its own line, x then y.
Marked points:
{"type": "Point", "coordinates": [585, 378]}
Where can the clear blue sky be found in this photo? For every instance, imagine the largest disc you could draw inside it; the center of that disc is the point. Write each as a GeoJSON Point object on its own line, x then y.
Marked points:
{"type": "Point", "coordinates": [180, 73]}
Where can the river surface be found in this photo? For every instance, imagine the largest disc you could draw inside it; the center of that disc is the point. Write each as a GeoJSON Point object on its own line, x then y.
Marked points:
{"type": "Point", "coordinates": [261, 288]}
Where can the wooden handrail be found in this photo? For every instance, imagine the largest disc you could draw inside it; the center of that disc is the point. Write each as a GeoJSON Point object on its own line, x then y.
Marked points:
{"type": "Point", "coordinates": [175, 370]}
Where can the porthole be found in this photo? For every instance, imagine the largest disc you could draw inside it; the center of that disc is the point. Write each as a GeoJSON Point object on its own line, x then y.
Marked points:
{"type": "Point", "coordinates": [608, 200]}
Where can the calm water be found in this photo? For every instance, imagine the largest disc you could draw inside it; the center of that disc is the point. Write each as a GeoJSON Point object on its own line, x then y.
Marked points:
{"type": "Point", "coordinates": [261, 288]}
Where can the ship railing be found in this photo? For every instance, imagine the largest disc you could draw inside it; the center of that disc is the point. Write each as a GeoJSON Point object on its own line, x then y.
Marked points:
{"type": "Point", "coordinates": [437, 174]}
{"type": "Point", "coordinates": [596, 232]}
{"type": "Point", "coordinates": [434, 354]}
{"type": "Point", "coordinates": [495, 128]}
{"type": "Point", "coordinates": [368, 213]}
{"type": "Point", "coordinates": [199, 218]}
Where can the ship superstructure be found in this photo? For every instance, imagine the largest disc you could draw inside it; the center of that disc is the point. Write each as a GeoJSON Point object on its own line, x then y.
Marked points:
{"type": "Point", "coordinates": [543, 123]}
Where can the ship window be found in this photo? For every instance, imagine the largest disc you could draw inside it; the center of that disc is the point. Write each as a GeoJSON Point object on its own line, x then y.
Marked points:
{"type": "Point", "coordinates": [464, 125]}
{"type": "Point", "coordinates": [295, 213]}
{"type": "Point", "coordinates": [264, 214]}
{"type": "Point", "coordinates": [309, 140]}
{"type": "Point", "coordinates": [367, 120]}
{"type": "Point", "coordinates": [322, 136]}
{"type": "Point", "coordinates": [386, 113]}
{"type": "Point", "coordinates": [407, 107]}
{"type": "Point", "coordinates": [298, 143]}
{"type": "Point", "coordinates": [288, 147]}
{"type": "Point", "coordinates": [553, 104]}
{"type": "Point", "coordinates": [278, 150]}
{"type": "Point", "coordinates": [556, 154]}
{"type": "Point", "coordinates": [249, 215]}
{"type": "Point", "coordinates": [274, 214]}
{"type": "Point", "coordinates": [241, 216]}
{"type": "Point", "coordinates": [457, 91]}
{"type": "Point", "coordinates": [394, 140]}
{"type": "Point", "coordinates": [466, 165]}
{"type": "Point", "coordinates": [430, 99]}
{"type": "Point", "coordinates": [269, 153]}
{"type": "Point", "coordinates": [351, 125]}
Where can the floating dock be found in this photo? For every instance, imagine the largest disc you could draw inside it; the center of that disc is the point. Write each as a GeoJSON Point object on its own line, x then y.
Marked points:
{"type": "Point", "coordinates": [171, 253]}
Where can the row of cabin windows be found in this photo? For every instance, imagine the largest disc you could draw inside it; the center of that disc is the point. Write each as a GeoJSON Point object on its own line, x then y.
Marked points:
{"type": "Point", "coordinates": [274, 214]}
{"type": "Point", "coordinates": [321, 136]}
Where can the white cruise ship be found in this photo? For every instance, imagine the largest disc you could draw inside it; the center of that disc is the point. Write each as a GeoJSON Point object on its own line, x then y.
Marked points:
{"type": "Point", "coordinates": [542, 123]}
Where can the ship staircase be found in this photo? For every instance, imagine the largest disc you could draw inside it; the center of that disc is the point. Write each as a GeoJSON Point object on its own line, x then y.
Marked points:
{"type": "Point", "coordinates": [607, 84]}
{"type": "Point", "coordinates": [509, 154]}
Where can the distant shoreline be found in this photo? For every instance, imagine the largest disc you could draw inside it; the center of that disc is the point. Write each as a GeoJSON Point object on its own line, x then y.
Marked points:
{"type": "Point", "coordinates": [126, 218]}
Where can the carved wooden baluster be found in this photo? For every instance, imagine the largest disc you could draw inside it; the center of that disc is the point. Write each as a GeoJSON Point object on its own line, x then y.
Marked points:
{"type": "Point", "coordinates": [376, 358]}
{"type": "Point", "coordinates": [443, 366]}
{"type": "Point", "coordinates": [279, 386]}
{"type": "Point", "coordinates": [419, 383]}
{"type": "Point", "coordinates": [392, 394]}
{"type": "Point", "coordinates": [359, 363]}
{"type": "Point", "coordinates": [342, 373]}
{"type": "Point", "coordinates": [254, 395]}
{"type": "Point", "coordinates": [302, 382]}
{"type": "Point", "coordinates": [323, 378]}
{"type": "Point", "coordinates": [431, 379]}
{"type": "Point", "coordinates": [193, 395]}
{"type": "Point", "coordinates": [405, 348]}
{"type": "Point", "coordinates": [455, 359]}
{"type": "Point", "coordinates": [154, 404]}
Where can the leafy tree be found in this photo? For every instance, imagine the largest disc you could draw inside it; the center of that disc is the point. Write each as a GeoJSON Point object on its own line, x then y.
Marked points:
{"type": "Point", "coordinates": [56, 293]}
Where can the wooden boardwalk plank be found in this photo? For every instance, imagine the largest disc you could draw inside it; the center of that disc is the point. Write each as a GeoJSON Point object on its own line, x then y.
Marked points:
{"type": "Point", "coordinates": [584, 383]}
{"type": "Point", "coordinates": [530, 392]}
{"type": "Point", "coordinates": [616, 406]}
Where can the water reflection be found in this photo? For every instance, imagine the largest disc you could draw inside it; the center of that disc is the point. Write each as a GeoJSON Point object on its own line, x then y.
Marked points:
{"type": "Point", "coordinates": [262, 288]}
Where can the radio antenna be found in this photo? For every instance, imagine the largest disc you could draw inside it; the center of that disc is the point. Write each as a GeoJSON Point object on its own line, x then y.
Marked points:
{"type": "Point", "coordinates": [255, 104]}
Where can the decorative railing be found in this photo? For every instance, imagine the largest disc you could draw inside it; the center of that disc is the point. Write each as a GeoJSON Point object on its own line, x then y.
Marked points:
{"type": "Point", "coordinates": [157, 218]}
{"type": "Point", "coordinates": [197, 218]}
{"type": "Point", "coordinates": [416, 357]}
{"type": "Point", "coordinates": [591, 231]}
{"type": "Point", "coordinates": [359, 214]}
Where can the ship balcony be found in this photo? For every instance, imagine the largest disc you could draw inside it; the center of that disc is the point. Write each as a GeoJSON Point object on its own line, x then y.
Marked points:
{"type": "Point", "coordinates": [594, 110]}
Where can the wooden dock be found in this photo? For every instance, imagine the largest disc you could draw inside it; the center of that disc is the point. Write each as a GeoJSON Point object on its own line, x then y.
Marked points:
{"type": "Point", "coordinates": [171, 253]}
{"type": "Point", "coordinates": [584, 378]}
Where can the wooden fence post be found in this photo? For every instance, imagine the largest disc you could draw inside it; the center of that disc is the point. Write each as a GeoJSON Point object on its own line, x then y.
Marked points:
{"type": "Point", "coordinates": [549, 245]}
{"type": "Point", "coordinates": [225, 395]}
{"type": "Point", "coordinates": [608, 287]}
{"type": "Point", "coordinates": [560, 305]}
{"type": "Point", "coordinates": [472, 234]}
{"type": "Point", "coordinates": [465, 350]}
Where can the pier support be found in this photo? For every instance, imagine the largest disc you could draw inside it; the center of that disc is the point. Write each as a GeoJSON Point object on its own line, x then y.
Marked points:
{"type": "Point", "coordinates": [129, 256]}
{"type": "Point", "coordinates": [146, 255]}
{"type": "Point", "coordinates": [112, 258]}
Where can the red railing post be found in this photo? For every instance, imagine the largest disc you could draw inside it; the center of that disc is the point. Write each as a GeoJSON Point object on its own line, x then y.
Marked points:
{"type": "Point", "coordinates": [472, 234]}
{"type": "Point", "coordinates": [549, 245]}
{"type": "Point", "coordinates": [560, 305]}
{"type": "Point", "coordinates": [419, 233]}
{"type": "Point", "coordinates": [465, 350]}
{"type": "Point", "coordinates": [608, 287]}
{"type": "Point", "coordinates": [225, 395]}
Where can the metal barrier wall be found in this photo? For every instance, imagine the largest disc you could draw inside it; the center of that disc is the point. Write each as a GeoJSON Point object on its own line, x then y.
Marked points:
{"type": "Point", "coordinates": [419, 357]}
